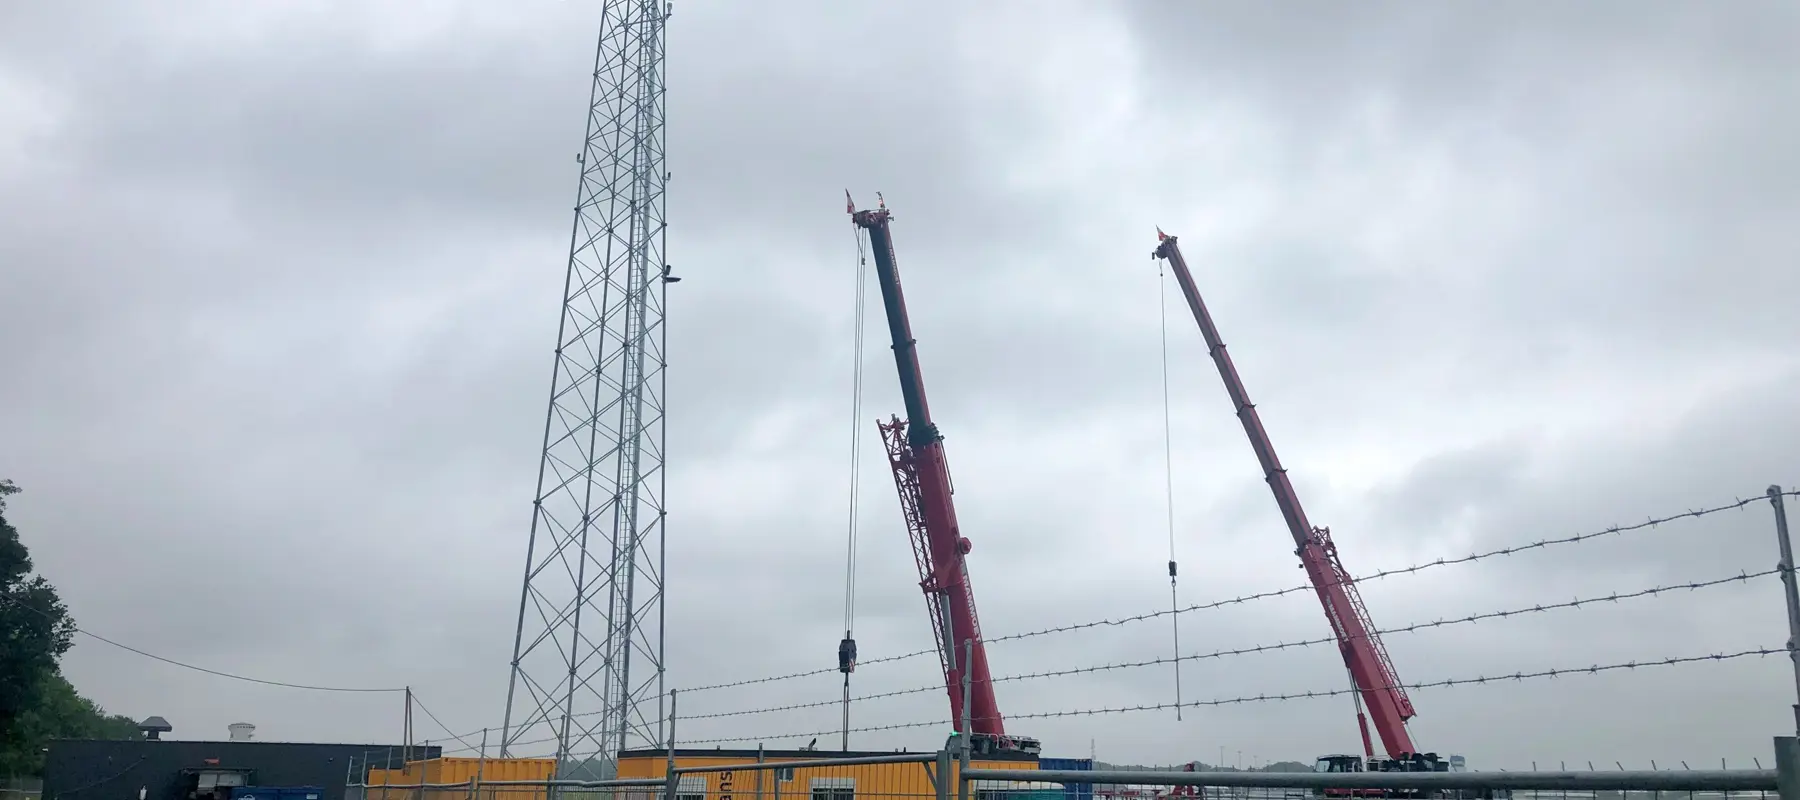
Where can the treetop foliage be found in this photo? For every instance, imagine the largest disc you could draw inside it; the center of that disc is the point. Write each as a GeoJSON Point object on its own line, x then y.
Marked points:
{"type": "Point", "coordinates": [36, 702]}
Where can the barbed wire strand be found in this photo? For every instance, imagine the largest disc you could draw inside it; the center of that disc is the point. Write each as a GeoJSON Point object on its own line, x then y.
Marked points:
{"type": "Point", "coordinates": [833, 702]}
{"type": "Point", "coordinates": [810, 673]}
{"type": "Point", "coordinates": [1417, 626]}
{"type": "Point", "coordinates": [1321, 693]}
{"type": "Point", "coordinates": [1441, 562]}
{"type": "Point", "coordinates": [1594, 669]}
{"type": "Point", "coordinates": [778, 737]}
{"type": "Point", "coordinates": [795, 707]}
{"type": "Point", "coordinates": [1614, 530]}
{"type": "Point", "coordinates": [1652, 522]}
{"type": "Point", "coordinates": [1741, 577]}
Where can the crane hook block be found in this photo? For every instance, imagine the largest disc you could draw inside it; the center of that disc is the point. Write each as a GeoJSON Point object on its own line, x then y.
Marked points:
{"type": "Point", "coordinates": [847, 656]}
{"type": "Point", "coordinates": [1171, 568]}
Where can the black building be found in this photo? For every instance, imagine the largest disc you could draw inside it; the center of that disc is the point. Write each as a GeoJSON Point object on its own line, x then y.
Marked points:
{"type": "Point", "coordinates": [89, 769]}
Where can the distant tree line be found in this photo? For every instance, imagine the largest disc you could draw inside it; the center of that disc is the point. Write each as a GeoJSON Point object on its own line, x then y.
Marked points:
{"type": "Point", "coordinates": [37, 703]}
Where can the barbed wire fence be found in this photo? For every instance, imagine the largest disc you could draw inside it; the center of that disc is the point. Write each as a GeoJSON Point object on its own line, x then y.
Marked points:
{"type": "Point", "coordinates": [1773, 645]}
{"type": "Point", "coordinates": [729, 774]}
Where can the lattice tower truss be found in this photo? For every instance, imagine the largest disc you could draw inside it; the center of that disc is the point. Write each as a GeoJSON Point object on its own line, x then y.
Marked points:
{"type": "Point", "coordinates": [587, 667]}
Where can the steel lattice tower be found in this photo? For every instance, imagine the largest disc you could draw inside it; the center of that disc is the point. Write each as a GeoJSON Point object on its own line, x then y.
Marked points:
{"type": "Point", "coordinates": [587, 668]}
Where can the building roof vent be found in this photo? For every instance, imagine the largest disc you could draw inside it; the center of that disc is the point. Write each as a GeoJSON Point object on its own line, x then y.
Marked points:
{"type": "Point", "coordinates": [155, 727]}
{"type": "Point", "coordinates": [241, 731]}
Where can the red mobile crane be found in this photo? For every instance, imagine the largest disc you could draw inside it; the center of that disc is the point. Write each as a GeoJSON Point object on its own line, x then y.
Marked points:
{"type": "Point", "coordinates": [915, 451]}
{"type": "Point", "coordinates": [1371, 672]}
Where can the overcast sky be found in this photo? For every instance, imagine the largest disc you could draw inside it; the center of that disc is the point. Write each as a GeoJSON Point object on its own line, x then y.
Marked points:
{"type": "Point", "coordinates": [281, 285]}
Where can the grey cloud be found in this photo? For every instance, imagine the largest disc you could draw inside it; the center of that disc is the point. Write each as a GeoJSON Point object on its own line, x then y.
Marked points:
{"type": "Point", "coordinates": [307, 351]}
{"type": "Point", "coordinates": [1733, 448]}
{"type": "Point", "coordinates": [1664, 116]}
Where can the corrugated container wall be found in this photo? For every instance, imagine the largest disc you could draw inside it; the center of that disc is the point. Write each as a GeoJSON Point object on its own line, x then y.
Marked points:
{"type": "Point", "coordinates": [1071, 791]}
{"type": "Point", "coordinates": [461, 771]}
{"type": "Point", "coordinates": [909, 781]}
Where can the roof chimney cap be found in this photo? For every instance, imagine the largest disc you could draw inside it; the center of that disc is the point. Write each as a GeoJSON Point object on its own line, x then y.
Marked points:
{"type": "Point", "coordinates": [154, 727]}
{"type": "Point", "coordinates": [241, 731]}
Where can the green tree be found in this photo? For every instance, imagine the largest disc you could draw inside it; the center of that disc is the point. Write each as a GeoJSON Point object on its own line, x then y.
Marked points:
{"type": "Point", "coordinates": [35, 629]}
{"type": "Point", "coordinates": [60, 713]}
{"type": "Point", "coordinates": [36, 702]}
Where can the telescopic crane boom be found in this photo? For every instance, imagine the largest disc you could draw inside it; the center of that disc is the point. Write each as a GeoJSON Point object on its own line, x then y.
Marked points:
{"type": "Point", "coordinates": [916, 454]}
{"type": "Point", "coordinates": [1371, 672]}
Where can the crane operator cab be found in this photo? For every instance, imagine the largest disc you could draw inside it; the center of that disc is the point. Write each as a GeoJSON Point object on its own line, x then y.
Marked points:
{"type": "Point", "coordinates": [1406, 762]}
{"type": "Point", "coordinates": [987, 744]}
{"type": "Point", "coordinates": [1409, 762]}
{"type": "Point", "coordinates": [1339, 763]}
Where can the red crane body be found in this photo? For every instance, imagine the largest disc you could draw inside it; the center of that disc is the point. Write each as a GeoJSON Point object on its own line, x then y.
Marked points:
{"type": "Point", "coordinates": [1371, 671]}
{"type": "Point", "coordinates": [916, 454]}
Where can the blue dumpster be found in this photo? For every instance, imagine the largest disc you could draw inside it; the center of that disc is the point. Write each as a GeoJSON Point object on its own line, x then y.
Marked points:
{"type": "Point", "coordinates": [1072, 791]}
{"type": "Point", "coordinates": [277, 793]}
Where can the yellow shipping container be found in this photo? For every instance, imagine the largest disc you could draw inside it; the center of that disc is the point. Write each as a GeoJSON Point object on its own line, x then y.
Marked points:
{"type": "Point", "coordinates": [825, 782]}
{"type": "Point", "coordinates": [461, 771]}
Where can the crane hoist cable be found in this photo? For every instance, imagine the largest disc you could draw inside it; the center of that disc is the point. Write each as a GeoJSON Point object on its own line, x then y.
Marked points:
{"type": "Point", "coordinates": [847, 647]}
{"type": "Point", "coordinates": [1162, 307]}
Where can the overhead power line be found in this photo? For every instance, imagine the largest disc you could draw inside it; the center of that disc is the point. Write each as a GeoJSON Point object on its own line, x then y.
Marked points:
{"type": "Point", "coordinates": [205, 670]}
{"type": "Point", "coordinates": [441, 726]}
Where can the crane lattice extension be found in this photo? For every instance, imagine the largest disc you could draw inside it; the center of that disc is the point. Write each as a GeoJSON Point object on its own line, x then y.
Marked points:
{"type": "Point", "coordinates": [587, 667]}
{"type": "Point", "coordinates": [906, 483]}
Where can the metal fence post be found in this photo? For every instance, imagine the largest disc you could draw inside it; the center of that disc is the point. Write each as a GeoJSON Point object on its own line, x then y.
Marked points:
{"type": "Point", "coordinates": [671, 780]}
{"type": "Point", "coordinates": [480, 767]}
{"type": "Point", "coordinates": [1787, 767]}
{"type": "Point", "coordinates": [968, 732]}
{"type": "Point", "coordinates": [1792, 594]}
{"type": "Point", "coordinates": [387, 772]}
{"type": "Point", "coordinates": [761, 773]}
{"type": "Point", "coordinates": [942, 784]}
